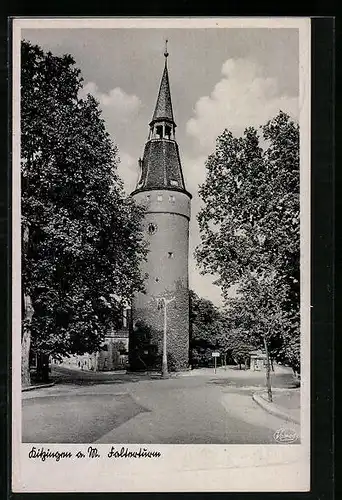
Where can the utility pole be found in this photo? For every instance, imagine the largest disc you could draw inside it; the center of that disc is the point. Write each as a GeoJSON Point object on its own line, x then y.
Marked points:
{"type": "Point", "coordinates": [164, 361]}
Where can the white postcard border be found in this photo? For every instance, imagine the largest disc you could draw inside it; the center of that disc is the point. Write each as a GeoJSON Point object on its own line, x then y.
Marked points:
{"type": "Point", "coordinates": [180, 467]}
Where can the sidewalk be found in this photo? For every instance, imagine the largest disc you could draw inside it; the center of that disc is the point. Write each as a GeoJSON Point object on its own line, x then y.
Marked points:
{"type": "Point", "coordinates": [285, 404]}
{"type": "Point", "coordinates": [235, 371]}
{"type": "Point", "coordinates": [37, 386]}
{"type": "Point", "coordinates": [232, 376]}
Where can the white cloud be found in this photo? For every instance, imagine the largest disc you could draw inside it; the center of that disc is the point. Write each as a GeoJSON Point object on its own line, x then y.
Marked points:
{"type": "Point", "coordinates": [119, 109]}
{"type": "Point", "coordinates": [120, 104]}
{"type": "Point", "coordinates": [194, 172]}
{"type": "Point", "coordinates": [128, 170]}
{"type": "Point", "coordinates": [242, 98]}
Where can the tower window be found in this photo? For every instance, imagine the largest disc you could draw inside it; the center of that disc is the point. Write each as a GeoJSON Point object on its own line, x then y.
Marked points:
{"type": "Point", "coordinates": [160, 197]}
{"type": "Point", "coordinates": [171, 198]}
{"type": "Point", "coordinates": [148, 197]}
{"type": "Point", "coordinates": [152, 228]}
{"type": "Point", "coordinates": [159, 131]}
{"type": "Point", "coordinates": [170, 255]}
{"type": "Point", "coordinates": [157, 279]}
{"type": "Point", "coordinates": [167, 131]}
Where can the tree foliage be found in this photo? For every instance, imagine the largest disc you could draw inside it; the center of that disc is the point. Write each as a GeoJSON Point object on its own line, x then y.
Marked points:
{"type": "Point", "coordinates": [249, 228]}
{"type": "Point", "coordinates": [206, 327]}
{"type": "Point", "coordinates": [235, 343]}
{"type": "Point", "coordinates": [84, 238]}
{"type": "Point", "coordinates": [258, 312]}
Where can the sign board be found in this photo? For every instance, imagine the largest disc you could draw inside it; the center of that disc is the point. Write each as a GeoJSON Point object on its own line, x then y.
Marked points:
{"type": "Point", "coordinates": [215, 354]}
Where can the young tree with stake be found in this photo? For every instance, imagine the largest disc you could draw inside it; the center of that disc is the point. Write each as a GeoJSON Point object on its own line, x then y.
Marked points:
{"type": "Point", "coordinates": [249, 224]}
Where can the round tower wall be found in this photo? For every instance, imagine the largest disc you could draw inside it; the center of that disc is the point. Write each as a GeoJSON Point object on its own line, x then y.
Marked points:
{"type": "Point", "coordinates": [164, 201]}
{"type": "Point", "coordinates": [166, 227]}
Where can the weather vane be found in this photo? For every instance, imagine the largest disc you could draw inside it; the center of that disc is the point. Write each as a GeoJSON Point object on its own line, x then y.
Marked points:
{"type": "Point", "coordinates": [166, 52]}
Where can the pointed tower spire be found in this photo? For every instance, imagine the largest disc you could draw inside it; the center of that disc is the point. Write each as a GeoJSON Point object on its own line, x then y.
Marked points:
{"type": "Point", "coordinates": [163, 109]}
{"type": "Point", "coordinates": [160, 167]}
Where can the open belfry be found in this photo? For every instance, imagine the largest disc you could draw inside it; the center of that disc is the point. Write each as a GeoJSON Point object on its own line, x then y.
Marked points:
{"type": "Point", "coordinates": [164, 309]}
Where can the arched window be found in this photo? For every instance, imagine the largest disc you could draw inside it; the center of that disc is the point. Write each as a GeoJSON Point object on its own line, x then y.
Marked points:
{"type": "Point", "coordinates": [159, 131]}
{"type": "Point", "coordinates": [167, 132]}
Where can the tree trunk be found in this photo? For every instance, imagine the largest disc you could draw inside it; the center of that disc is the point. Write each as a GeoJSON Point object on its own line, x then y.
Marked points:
{"type": "Point", "coordinates": [268, 373]}
{"type": "Point", "coordinates": [97, 361]}
{"type": "Point", "coordinates": [43, 367]}
{"type": "Point", "coordinates": [26, 341]}
{"type": "Point", "coordinates": [164, 357]}
{"type": "Point", "coordinates": [25, 358]}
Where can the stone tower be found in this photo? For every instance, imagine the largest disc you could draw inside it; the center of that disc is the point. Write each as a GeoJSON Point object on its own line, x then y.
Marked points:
{"type": "Point", "coordinates": [161, 189]}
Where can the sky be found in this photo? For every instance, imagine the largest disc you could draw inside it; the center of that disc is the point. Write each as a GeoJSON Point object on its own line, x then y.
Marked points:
{"type": "Point", "coordinates": [219, 78]}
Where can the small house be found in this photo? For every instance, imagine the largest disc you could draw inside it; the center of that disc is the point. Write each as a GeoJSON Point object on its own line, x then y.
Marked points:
{"type": "Point", "coordinates": [258, 360]}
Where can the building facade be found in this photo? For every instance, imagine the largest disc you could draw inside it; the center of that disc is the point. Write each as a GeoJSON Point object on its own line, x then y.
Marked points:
{"type": "Point", "coordinates": [161, 189]}
{"type": "Point", "coordinates": [113, 354]}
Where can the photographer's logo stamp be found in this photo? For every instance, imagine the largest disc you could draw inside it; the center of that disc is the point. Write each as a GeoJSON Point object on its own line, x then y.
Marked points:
{"type": "Point", "coordinates": [285, 436]}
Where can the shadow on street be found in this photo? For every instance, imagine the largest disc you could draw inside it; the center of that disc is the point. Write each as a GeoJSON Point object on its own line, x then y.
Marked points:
{"type": "Point", "coordinates": [61, 375]}
{"type": "Point", "coordinates": [89, 416]}
{"type": "Point", "coordinates": [279, 381]}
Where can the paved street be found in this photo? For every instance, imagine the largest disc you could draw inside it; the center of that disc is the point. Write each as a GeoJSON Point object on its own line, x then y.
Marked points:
{"type": "Point", "coordinates": [198, 407]}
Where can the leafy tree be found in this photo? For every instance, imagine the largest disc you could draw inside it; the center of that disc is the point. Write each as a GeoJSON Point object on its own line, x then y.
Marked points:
{"type": "Point", "coordinates": [289, 350]}
{"type": "Point", "coordinates": [249, 223]}
{"type": "Point", "coordinates": [83, 242]}
{"type": "Point", "coordinates": [259, 316]}
{"type": "Point", "coordinates": [140, 355]}
{"type": "Point", "coordinates": [206, 326]}
{"type": "Point", "coordinates": [282, 223]}
{"type": "Point", "coordinates": [236, 343]}
{"type": "Point", "coordinates": [250, 218]}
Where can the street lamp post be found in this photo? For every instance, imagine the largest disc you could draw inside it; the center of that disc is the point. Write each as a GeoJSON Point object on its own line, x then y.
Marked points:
{"type": "Point", "coordinates": [164, 361]}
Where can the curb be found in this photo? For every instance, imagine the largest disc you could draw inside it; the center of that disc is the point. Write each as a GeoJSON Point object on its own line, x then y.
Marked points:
{"type": "Point", "coordinates": [273, 409]}
{"type": "Point", "coordinates": [32, 387]}
{"type": "Point", "coordinates": [78, 370]}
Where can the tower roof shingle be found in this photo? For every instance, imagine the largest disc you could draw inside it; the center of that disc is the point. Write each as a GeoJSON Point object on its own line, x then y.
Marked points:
{"type": "Point", "coordinates": [160, 167]}
{"type": "Point", "coordinates": [163, 109]}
